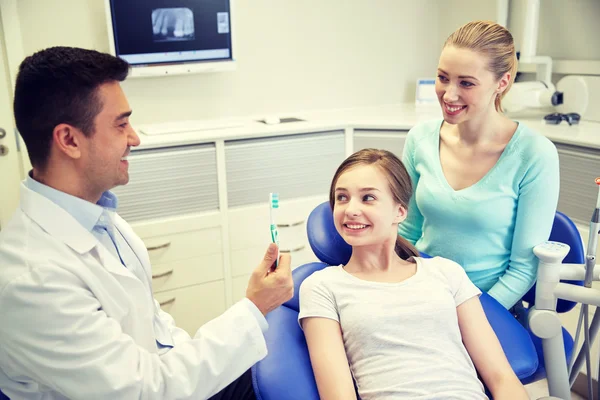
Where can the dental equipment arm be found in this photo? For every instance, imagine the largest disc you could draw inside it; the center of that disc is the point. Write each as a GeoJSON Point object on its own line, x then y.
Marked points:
{"type": "Point", "coordinates": [543, 320]}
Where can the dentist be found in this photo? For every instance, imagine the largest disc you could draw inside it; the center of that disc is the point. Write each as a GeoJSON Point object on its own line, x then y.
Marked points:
{"type": "Point", "coordinates": [77, 316]}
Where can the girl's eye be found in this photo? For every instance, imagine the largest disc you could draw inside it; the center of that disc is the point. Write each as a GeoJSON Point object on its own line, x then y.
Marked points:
{"type": "Point", "coordinates": [442, 78]}
{"type": "Point", "coordinates": [368, 197]}
{"type": "Point", "coordinates": [341, 197]}
{"type": "Point", "coordinates": [467, 84]}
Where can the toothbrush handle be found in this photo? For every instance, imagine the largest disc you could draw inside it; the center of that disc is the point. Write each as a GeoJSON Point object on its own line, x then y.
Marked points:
{"type": "Point", "coordinates": [275, 239]}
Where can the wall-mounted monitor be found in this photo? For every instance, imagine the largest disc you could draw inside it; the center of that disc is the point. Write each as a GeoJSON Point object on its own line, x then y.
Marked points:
{"type": "Point", "coordinates": [171, 37]}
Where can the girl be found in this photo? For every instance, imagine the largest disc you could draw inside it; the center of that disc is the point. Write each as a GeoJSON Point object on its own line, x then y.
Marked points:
{"type": "Point", "coordinates": [399, 325]}
{"type": "Point", "coordinates": [486, 187]}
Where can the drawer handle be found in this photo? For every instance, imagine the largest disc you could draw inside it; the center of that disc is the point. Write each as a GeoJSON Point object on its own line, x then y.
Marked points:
{"type": "Point", "coordinates": [162, 274]}
{"type": "Point", "coordinates": [293, 250]}
{"type": "Point", "coordinates": [158, 247]}
{"type": "Point", "coordinates": [167, 302]}
{"type": "Point", "coordinates": [290, 224]}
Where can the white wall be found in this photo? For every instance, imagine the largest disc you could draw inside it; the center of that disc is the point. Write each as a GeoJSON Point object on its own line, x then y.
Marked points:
{"type": "Point", "coordinates": [292, 55]}
{"type": "Point", "coordinates": [567, 29]}
{"type": "Point", "coordinates": [298, 55]}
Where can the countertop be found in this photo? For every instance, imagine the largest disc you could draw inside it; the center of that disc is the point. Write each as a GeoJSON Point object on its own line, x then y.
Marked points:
{"type": "Point", "coordinates": [386, 117]}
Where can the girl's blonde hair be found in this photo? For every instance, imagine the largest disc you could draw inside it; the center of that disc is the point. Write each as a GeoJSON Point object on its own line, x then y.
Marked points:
{"type": "Point", "coordinates": [494, 41]}
{"type": "Point", "coordinates": [398, 178]}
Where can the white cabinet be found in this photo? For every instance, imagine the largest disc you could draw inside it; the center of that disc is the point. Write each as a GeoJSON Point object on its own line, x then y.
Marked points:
{"type": "Point", "coordinates": [169, 182]}
{"type": "Point", "coordinates": [391, 140]}
{"type": "Point", "coordinates": [579, 167]}
{"type": "Point", "coordinates": [186, 253]}
{"type": "Point", "coordinates": [249, 237]}
{"type": "Point", "coordinates": [295, 166]}
{"type": "Point", "coordinates": [192, 306]}
{"type": "Point", "coordinates": [249, 233]}
{"type": "Point", "coordinates": [239, 285]}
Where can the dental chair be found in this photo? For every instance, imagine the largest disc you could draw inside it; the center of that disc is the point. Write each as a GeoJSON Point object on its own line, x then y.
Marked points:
{"type": "Point", "coordinates": [286, 372]}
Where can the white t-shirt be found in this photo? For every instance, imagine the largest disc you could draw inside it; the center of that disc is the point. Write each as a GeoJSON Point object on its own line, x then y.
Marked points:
{"type": "Point", "coordinates": [402, 339]}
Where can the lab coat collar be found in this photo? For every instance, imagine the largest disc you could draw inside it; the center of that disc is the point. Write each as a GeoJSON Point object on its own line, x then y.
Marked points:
{"type": "Point", "coordinates": [63, 226]}
{"type": "Point", "coordinates": [56, 221]}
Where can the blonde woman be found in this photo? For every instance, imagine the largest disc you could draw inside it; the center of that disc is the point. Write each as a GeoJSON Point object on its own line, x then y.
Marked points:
{"type": "Point", "coordinates": [485, 187]}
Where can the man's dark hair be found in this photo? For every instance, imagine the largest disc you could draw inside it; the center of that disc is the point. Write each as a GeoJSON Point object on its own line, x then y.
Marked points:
{"type": "Point", "coordinates": [59, 85]}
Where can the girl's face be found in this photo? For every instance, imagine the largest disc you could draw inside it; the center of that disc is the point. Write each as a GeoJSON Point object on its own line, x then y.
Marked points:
{"type": "Point", "coordinates": [365, 212]}
{"type": "Point", "coordinates": [465, 88]}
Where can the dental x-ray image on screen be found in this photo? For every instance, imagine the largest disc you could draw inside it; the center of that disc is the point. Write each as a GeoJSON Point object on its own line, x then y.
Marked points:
{"type": "Point", "coordinates": [172, 24]}
{"type": "Point", "coordinates": [166, 37]}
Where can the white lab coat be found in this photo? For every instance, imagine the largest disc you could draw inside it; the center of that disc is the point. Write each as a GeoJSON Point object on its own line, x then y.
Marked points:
{"type": "Point", "coordinates": [75, 323]}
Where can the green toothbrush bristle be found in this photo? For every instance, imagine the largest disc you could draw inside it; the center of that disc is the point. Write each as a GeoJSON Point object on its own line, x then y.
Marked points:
{"type": "Point", "coordinates": [274, 199]}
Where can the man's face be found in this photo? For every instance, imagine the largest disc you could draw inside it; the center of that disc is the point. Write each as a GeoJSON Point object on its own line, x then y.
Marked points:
{"type": "Point", "coordinates": [104, 153]}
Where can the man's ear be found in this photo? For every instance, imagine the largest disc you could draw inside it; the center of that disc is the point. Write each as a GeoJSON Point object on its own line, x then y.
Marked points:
{"type": "Point", "coordinates": [401, 214]}
{"type": "Point", "coordinates": [67, 140]}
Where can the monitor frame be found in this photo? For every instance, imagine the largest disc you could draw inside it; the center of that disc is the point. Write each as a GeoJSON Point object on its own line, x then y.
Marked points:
{"type": "Point", "coordinates": [175, 68]}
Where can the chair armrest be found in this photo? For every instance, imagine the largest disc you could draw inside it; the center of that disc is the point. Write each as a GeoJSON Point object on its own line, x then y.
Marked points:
{"type": "Point", "coordinates": [286, 372]}
{"type": "Point", "coordinates": [513, 337]}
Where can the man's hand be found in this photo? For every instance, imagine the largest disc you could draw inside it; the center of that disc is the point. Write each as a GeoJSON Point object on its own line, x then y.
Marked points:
{"type": "Point", "coordinates": [268, 287]}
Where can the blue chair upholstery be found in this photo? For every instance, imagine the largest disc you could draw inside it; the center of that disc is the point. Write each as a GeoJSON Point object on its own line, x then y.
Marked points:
{"type": "Point", "coordinates": [286, 372]}
{"type": "Point", "coordinates": [564, 231]}
{"type": "Point", "coordinates": [3, 396]}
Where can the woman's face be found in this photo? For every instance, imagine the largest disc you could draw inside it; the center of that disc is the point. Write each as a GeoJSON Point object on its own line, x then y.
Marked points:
{"type": "Point", "coordinates": [465, 88]}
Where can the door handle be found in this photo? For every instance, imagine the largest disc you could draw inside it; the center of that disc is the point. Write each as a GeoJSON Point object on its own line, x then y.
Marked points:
{"type": "Point", "coordinates": [2, 133]}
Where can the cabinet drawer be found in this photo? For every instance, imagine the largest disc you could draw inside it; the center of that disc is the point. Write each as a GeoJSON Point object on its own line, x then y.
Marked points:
{"type": "Point", "coordinates": [302, 256]}
{"type": "Point", "coordinates": [244, 261]}
{"type": "Point", "coordinates": [294, 166]}
{"type": "Point", "coordinates": [168, 182]}
{"type": "Point", "coordinates": [187, 272]}
{"type": "Point", "coordinates": [181, 246]}
{"type": "Point", "coordinates": [578, 169]}
{"type": "Point", "coordinates": [193, 306]}
{"type": "Point", "coordinates": [239, 285]}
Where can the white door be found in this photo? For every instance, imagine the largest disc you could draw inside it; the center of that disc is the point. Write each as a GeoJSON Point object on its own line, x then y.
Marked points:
{"type": "Point", "coordinates": [10, 172]}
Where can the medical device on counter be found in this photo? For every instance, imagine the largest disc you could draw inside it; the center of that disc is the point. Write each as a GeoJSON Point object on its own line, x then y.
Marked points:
{"type": "Point", "coordinates": [274, 205]}
{"type": "Point", "coordinates": [543, 320]}
{"type": "Point", "coordinates": [535, 94]}
{"type": "Point", "coordinates": [581, 95]}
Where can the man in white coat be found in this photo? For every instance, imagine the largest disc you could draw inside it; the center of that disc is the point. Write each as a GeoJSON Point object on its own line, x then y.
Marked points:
{"type": "Point", "coordinates": [77, 316]}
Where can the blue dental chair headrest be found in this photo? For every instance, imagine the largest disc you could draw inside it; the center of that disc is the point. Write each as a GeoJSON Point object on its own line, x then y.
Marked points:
{"type": "Point", "coordinates": [324, 239]}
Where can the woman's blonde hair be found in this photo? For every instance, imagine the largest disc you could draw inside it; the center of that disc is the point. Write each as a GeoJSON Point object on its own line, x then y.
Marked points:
{"type": "Point", "coordinates": [494, 41]}
{"type": "Point", "coordinates": [398, 178]}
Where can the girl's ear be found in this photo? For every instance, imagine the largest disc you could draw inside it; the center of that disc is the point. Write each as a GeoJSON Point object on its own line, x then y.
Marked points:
{"type": "Point", "coordinates": [401, 214]}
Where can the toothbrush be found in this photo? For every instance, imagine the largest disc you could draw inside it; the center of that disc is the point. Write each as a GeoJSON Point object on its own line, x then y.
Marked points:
{"type": "Point", "coordinates": [273, 205]}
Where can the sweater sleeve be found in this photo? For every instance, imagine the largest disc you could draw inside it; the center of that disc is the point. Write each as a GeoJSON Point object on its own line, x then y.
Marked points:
{"type": "Point", "coordinates": [412, 227]}
{"type": "Point", "coordinates": [536, 206]}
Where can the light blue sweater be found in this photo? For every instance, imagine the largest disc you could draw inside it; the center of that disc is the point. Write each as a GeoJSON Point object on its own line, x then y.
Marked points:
{"type": "Point", "coordinates": [491, 227]}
